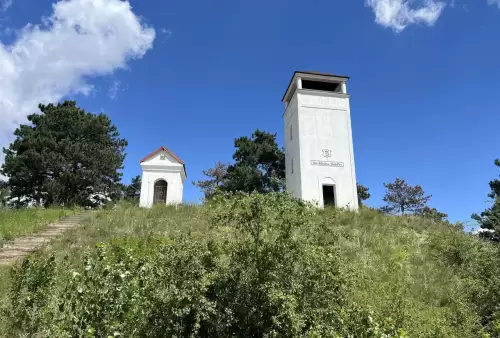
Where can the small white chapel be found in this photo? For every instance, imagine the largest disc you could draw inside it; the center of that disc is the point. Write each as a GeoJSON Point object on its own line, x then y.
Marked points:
{"type": "Point", "coordinates": [163, 176]}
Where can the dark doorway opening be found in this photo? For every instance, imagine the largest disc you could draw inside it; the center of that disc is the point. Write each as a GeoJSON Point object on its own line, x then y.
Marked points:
{"type": "Point", "coordinates": [328, 195]}
{"type": "Point", "coordinates": [160, 192]}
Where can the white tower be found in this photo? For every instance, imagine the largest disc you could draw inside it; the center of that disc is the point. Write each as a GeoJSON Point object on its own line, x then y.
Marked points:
{"type": "Point", "coordinates": [318, 144]}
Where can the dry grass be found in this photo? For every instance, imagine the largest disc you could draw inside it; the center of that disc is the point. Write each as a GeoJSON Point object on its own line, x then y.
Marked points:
{"type": "Point", "coordinates": [18, 222]}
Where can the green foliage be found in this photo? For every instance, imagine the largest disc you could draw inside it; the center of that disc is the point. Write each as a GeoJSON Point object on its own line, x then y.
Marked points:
{"type": "Point", "coordinates": [260, 271]}
{"type": "Point", "coordinates": [216, 177]}
{"type": "Point", "coordinates": [259, 165]}
{"type": "Point", "coordinates": [363, 194]}
{"type": "Point", "coordinates": [64, 155]}
{"type": "Point", "coordinates": [262, 266]}
{"type": "Point", "coordinates": [401, 197]}
{"type": "Point", "coordinates": [489, 219]}
{"type": "Point", "coordinates": [432, 213]}
{"type": "Point", "coordinates": [4, 193]}
{"type": "Point", "coordinates": [133, 190]}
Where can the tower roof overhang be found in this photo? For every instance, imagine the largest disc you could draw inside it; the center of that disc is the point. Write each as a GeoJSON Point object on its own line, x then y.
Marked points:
{"type": "Point", "coordinates": [311, 75]}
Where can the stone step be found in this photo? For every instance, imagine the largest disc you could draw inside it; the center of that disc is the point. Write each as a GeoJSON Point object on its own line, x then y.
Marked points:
{"type": "Point", "coordinates": [55, 232]}
{"type": "Point", "coordinates": [13, 253]}
{"type": "Point", "coordinates": [70, 220]}
{"type": "Point", "coordinates": [79, 216]}
{"type": "Point", "coordinates": [24, 249]}
{"type": "Point", "coordinates": [8, 261]}
{"type": "Point", "coordinates": [22, 246]}
{"type": "Point", "coordinates": [34, 239]}
{"type": "Point", "coordinates": [63, 225]}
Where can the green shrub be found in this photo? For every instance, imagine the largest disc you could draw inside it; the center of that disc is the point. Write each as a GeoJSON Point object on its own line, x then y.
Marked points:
{"type": "Point", "coordinates": [260, 271]}
{"type": "Point", "coordinates": [249, 265]}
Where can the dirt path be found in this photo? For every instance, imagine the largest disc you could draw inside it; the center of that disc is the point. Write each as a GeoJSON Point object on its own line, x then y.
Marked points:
{"type": "Point", "coordinates": [22, 246]}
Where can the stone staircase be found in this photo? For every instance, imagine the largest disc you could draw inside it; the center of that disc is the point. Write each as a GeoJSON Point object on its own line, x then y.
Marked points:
{"type": "Point", "coordinates": [20, 247]}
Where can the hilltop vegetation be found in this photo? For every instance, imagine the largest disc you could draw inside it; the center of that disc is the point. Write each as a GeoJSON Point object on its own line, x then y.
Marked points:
{"type": "Point", "coordinates": [258, 266]}
{"type": "Point", "coordinates": [256, 263]}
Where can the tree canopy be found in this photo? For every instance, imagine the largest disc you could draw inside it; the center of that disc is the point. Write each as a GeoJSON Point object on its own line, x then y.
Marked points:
{"type": "Point", "coordinates": [64, 156]}
{"type": "Point", "coordinates": [363, 194]}
{"type": "Point", "coordinates": [489, 219]}
{"type": "Point", "coordinates": [4, 192]}
{"type": "Point", "coordinates": [432, 213]}
{"type": "Point", "coordinates": [259, 166]}
{"type": "Point", "coordinates": [216, 177]}
{"type": "Point", "coordinates": [133, 190]}
{"type": "Point", "coordinates": [403, 198]}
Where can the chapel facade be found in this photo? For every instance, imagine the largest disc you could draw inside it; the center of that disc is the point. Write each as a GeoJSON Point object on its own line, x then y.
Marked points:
{"type": "Point", "coordinates": [163, 176]}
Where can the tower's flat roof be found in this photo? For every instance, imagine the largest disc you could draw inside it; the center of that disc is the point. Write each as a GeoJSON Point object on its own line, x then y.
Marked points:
{"type": "Point", "coordinates": [320, 73]}
{"type": "Point", "coordinates": [307, 72]}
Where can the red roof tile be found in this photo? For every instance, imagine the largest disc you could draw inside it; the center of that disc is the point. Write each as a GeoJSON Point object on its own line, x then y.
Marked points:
{"type": "Point", "coordinates": [165, 149]}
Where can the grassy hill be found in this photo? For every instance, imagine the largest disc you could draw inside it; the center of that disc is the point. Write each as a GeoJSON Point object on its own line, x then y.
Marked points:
{"type": "Point", "coordinates": [257, 266]}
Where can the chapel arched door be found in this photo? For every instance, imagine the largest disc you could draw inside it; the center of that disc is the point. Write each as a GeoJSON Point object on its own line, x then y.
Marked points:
{"type": "Point", "coordinates": [160, 192]}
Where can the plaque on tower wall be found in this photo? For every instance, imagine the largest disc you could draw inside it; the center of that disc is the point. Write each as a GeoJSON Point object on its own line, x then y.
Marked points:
{"type": "Point", "coordinates": [327, 163]}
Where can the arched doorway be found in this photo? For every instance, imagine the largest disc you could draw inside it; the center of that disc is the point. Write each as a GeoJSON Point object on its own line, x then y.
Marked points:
{"type": "Point", "coordinates": [160, 192]}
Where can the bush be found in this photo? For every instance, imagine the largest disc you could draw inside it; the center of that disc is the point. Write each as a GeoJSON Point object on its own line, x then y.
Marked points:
{"type": "Point", "coordinates": [248, 265]}
{"type": "Point", "coordinates": [260, 271]}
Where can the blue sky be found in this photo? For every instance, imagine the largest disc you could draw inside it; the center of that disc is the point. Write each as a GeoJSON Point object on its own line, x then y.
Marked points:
{"type": "Point", "coordinates": [194, 75]}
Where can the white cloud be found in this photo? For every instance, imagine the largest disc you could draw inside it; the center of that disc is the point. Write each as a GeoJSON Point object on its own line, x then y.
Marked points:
{"type": "Point", "coordinates": [167, 34]}
{"type": "Point", "coordinates": [494, 2]}
{"type": "Point", "coordinates": [398, 14]}
{"type": "Point", "coordinates": [5, 4]}
{"type": "Point", "coordinates": [113, 89]}
{"type": "Point", "coordinates": [81, 39]}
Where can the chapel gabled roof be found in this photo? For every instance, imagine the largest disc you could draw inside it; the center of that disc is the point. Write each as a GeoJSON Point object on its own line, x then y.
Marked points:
{"type": "Point", "coordinates": [168, 151]}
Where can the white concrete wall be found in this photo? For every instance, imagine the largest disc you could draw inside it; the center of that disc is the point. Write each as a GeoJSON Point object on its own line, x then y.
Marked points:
{"type": "Point", "coordinates": [325, 123]}
{"type": "Point", "coordinates": [174, 189]}
{"type": "Point", "coordinates": [292, 149]}
{"type": "Point", "coordinates": [168, 169]}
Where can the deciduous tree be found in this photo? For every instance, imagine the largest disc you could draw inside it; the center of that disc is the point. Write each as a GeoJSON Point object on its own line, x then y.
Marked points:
{"type": "Point", "coordinates": [65, 155]}
{"type": "Point", "coordinates": [215, 179]}
{"type": "Point", "coordinates": [403, 198]}
{"type": "Point", "coordinates": [489, 219]}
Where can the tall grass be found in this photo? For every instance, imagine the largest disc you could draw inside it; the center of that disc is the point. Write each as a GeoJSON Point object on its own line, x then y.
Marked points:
{"type": "Point", "coordinates": [17, 222]}
{"type": "Point", "coordinates": [425, 278]}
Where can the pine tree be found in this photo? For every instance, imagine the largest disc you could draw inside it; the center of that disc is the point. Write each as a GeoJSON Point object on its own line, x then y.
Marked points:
{"type": "Point", "coordinates": [64, 156]}
{"type": "Point", "coordinates": [403, 198]}
{"type": "Point", "coordinates": [489, 219]}
{"type": "Point", "coordinates": [259, 165]}
{"type": "Point", "coordinates": [363, 194]}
